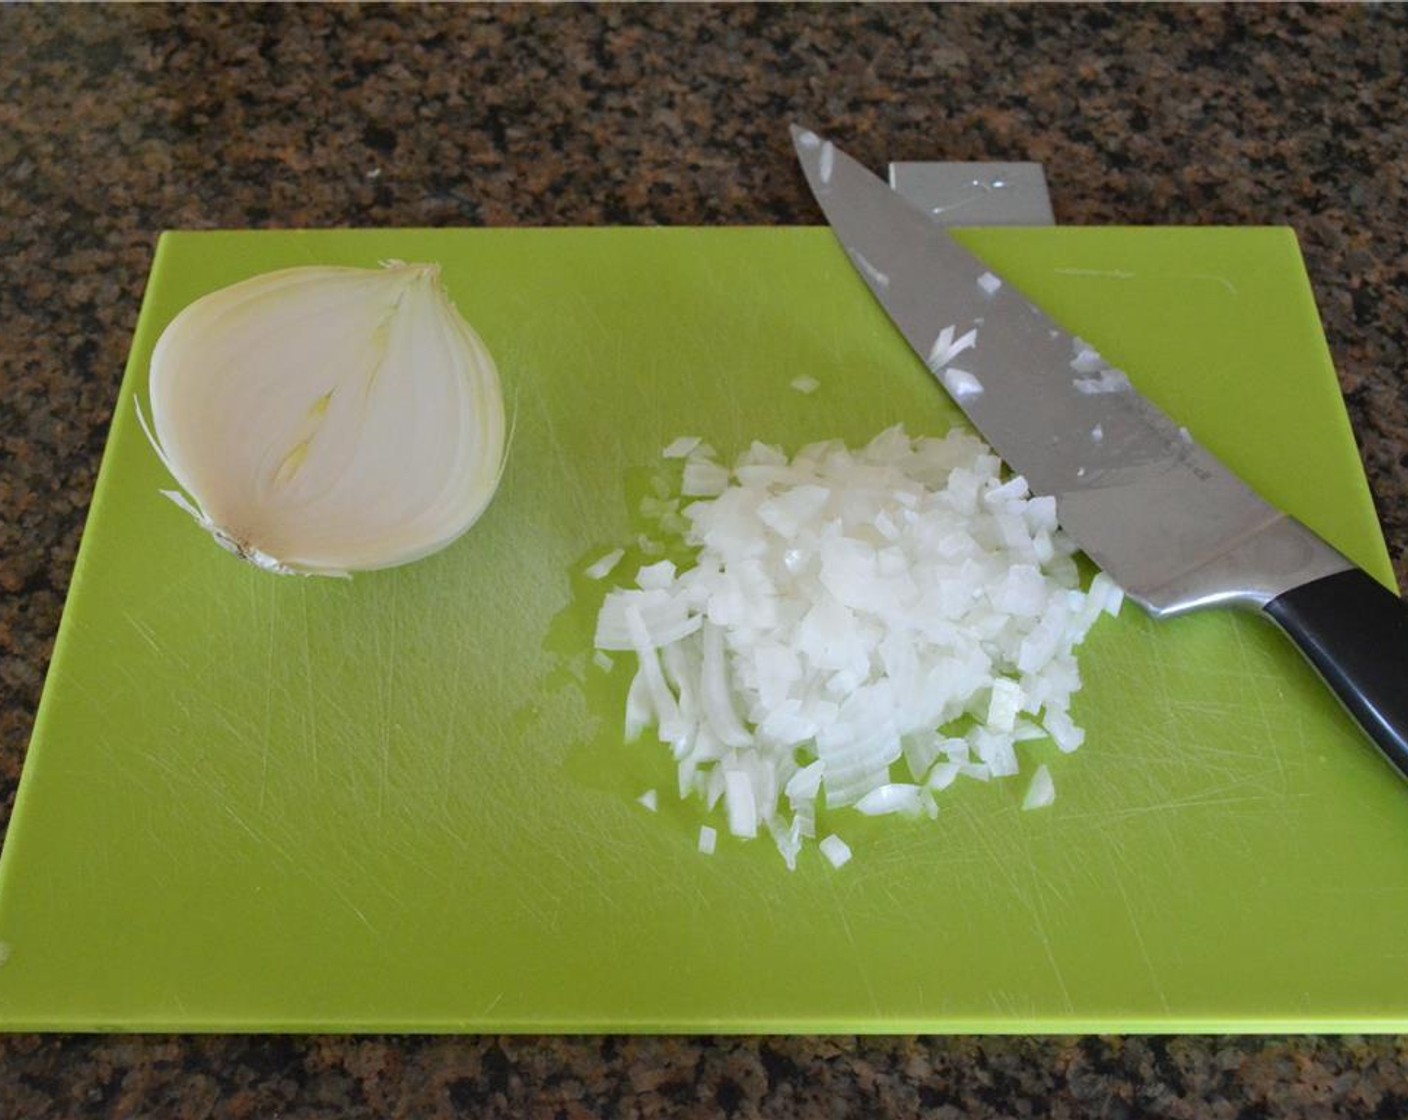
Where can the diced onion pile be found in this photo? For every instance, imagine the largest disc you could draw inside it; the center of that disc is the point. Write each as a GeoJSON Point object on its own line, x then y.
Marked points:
{"type": "Point", "coordinates": [859, 630]}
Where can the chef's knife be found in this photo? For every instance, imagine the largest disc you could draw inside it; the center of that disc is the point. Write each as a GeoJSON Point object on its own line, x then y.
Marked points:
{"type": "Point", "coordinates": [1169, 523]}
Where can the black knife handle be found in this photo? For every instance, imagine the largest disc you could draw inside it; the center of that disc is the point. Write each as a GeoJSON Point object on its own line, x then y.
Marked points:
{"type": "Point", "coordinates": [1355, 632]}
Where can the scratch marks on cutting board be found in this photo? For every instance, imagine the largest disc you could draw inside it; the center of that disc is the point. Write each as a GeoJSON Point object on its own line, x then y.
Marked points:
{"type": "Point", "coordinates": [566, 471]}
{"type": "Point", "coordinates": [144, 631]}
{"type": "Point", "coordinates": [387, 701]}
{"type": "Point", "coordinates": [493, 1003]}
{"type": "Point", "coordinates": [1140, 943]}
{"type": "Point", "coordinates": [1174, 806]}
{"type": "Point", "coordinates": [310, 706]}
{"type": "Point", "coordinates": [1214, 737]}
{"type": "Point", "coordinates": [1226, 283]}
{"type": "Point", "coordinates": [1125, 274]}
{"type": "Point", "coordinates": [271, 644]}
{"type": "Point", "coordinates": [1029, 891]}
{"type": "Point", "coordinates": [1097, 273]}
{"type": "Point", "coordinates": [291, 860]}
{"type": "Point", "coordinates": [453, 733]}
{"type": "Point", "coordinates": [1266, 681]}
{"type": "Point", "coordinates": [356, 910]}
{"type": "Point", "coordinates": [858, 954]}
{"type": "Point", "coordinates": [259, 835]}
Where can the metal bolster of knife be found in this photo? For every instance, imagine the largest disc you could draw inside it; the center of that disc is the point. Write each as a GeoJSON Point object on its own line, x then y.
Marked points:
{"type": "Point", "coordinates": [1276, 557]}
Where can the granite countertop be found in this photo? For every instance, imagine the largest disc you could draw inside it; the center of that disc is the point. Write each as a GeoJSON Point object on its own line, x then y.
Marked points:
{"type": "Point", "coordinates": [118, 122]}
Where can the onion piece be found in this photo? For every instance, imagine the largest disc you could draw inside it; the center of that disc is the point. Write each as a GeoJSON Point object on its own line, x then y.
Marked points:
{"type": "Point", "coordinates": [703, 478]}
{"type": "Point", "coordinates": [662, 700]}
{"type": "Point", "coordinates": [717, 695]}
{"type": "Point", "coordinates": [893, 797]}
{"type": "Point", "coordinates": [321, 420]}
{"type": "Point", "coordinates": [601, 568]}
{"type": "Point", "coordinates": [656, 576]}
{"type": "Point", "coordinates": [849, 609]}
{"type": "Point", "coordinates": [639, 714]}
{"type": "Point", "coordinates": [960, 383]}
{"type": "Point", "coordinates": [943, 775]}
{"type": "Point", "coordinates": [1041, 792]}
{"type": "Point", "coordinates": [836, 850]}
{"type": "Point", "coordinates": [946, 347]}
{"type": "Point", "coordinates": [740, 803]}
{"type": "Point", "coordinates": [788, 840]}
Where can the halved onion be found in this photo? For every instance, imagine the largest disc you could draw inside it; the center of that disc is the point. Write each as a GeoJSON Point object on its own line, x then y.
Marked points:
{"type": "Point", "coordinates": [323, 420]}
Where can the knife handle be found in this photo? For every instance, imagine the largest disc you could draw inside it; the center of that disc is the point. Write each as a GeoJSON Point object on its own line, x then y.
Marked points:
{"type": "Point", "coordinates": [1355, 632]}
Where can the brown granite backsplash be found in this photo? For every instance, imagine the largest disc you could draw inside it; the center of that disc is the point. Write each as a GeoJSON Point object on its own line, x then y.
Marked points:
{"type": "Point", "coordinates": [119, 121]}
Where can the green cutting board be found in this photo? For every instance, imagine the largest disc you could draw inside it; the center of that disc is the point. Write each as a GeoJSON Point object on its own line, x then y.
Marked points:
{"type": "Point", "coordinates": [403, 802]}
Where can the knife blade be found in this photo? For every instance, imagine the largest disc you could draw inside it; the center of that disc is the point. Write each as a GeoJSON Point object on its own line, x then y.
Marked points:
{"type": "Point", "coordinates": [1160, 513]}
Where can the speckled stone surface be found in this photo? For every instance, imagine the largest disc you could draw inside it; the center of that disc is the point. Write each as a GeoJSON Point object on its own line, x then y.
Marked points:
{"type": "Point", "coordinates": [117, 122]}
